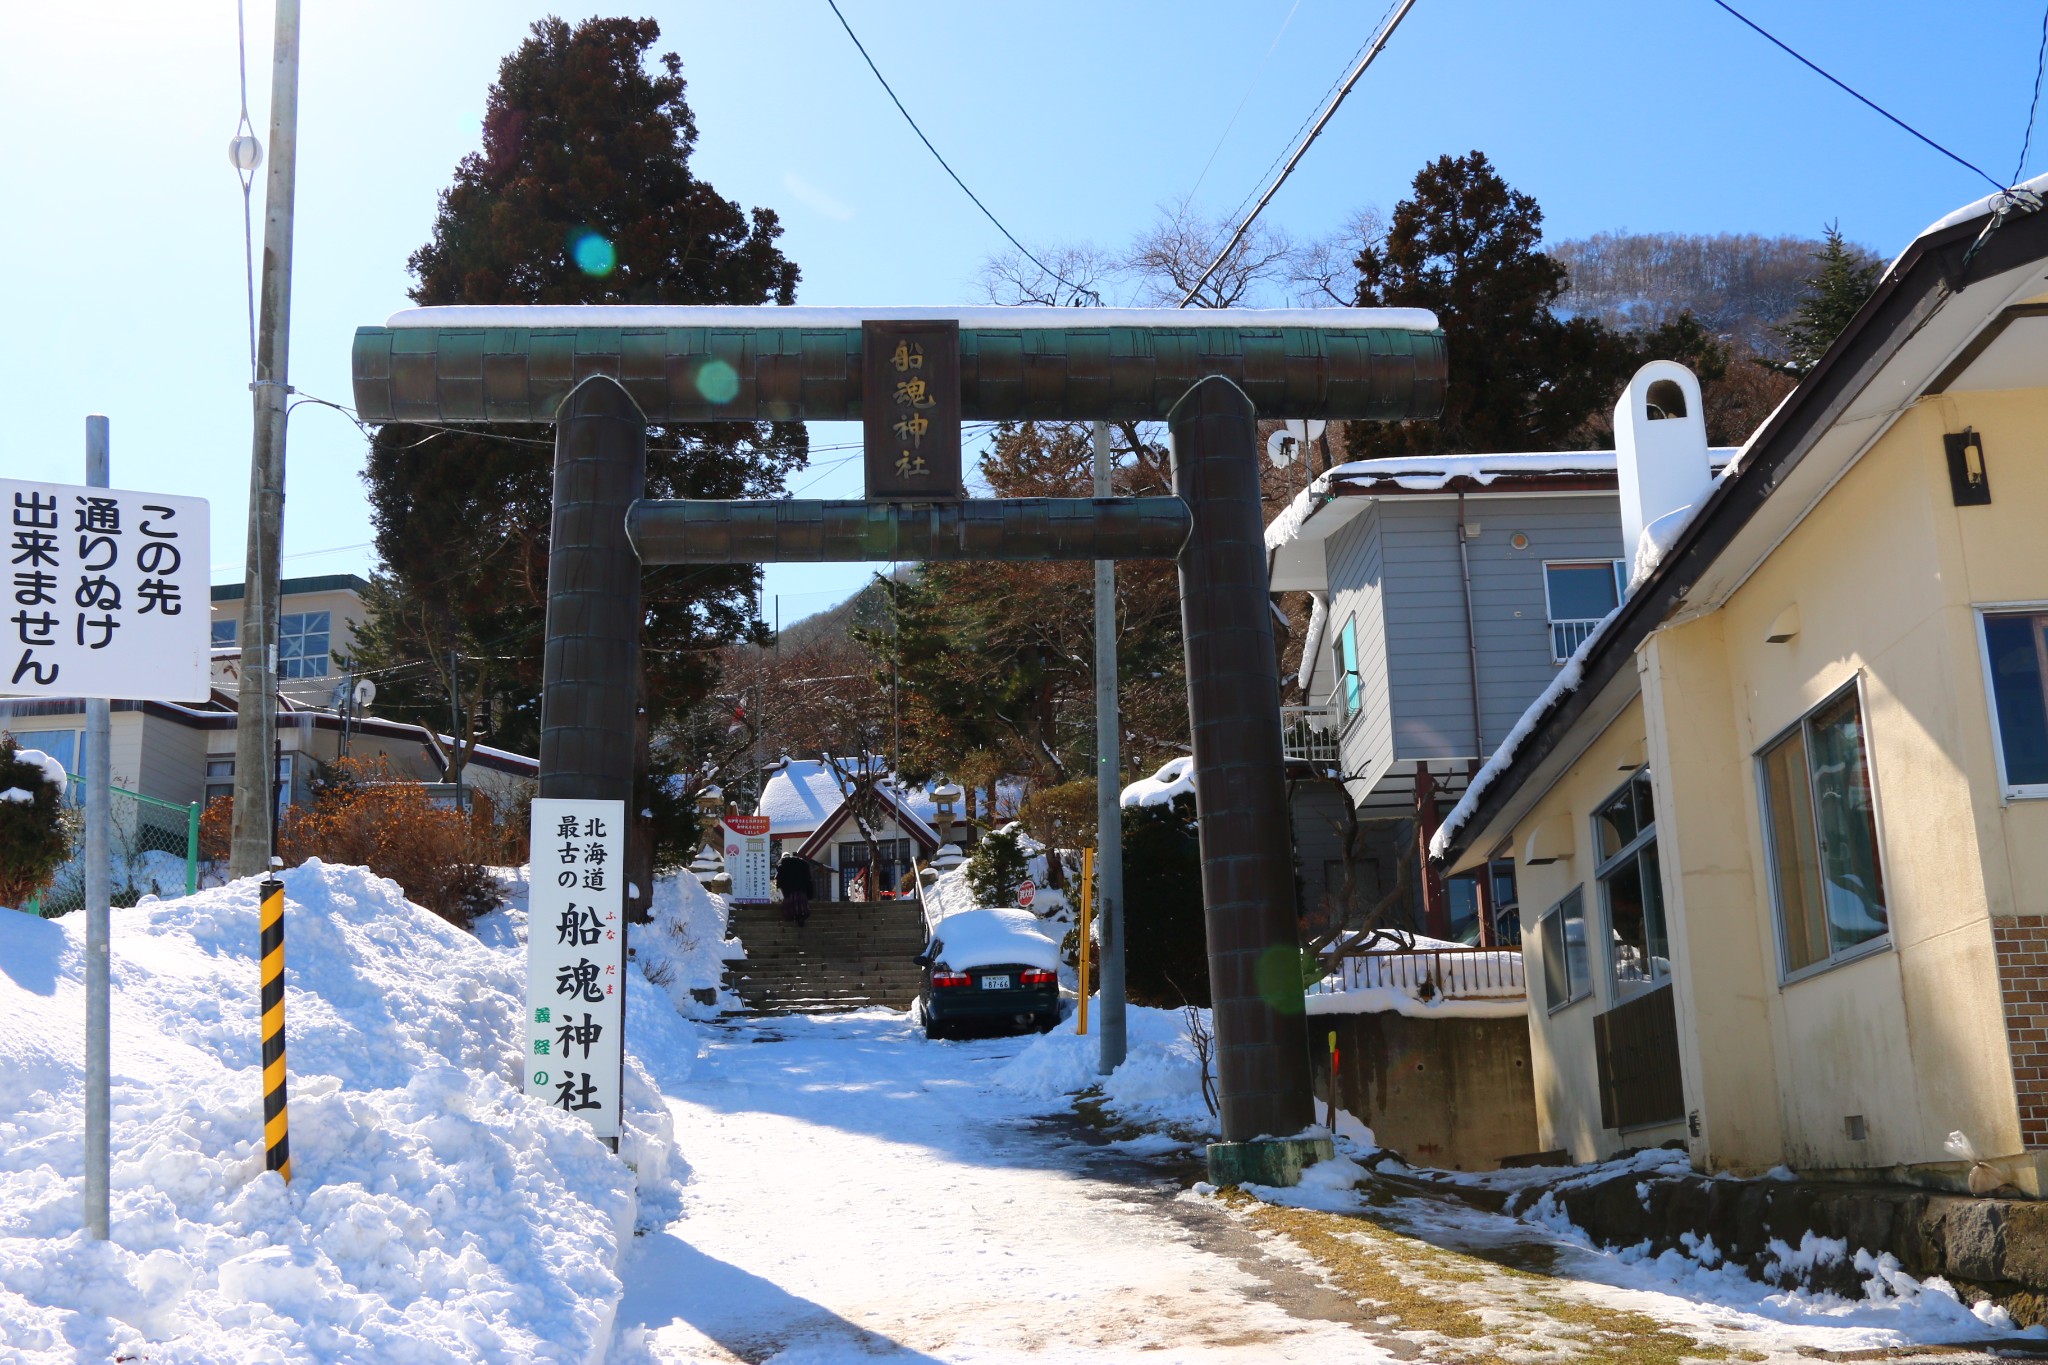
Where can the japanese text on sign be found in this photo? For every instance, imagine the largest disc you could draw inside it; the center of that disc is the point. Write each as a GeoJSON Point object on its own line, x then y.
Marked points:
{"type": "Point", "coordinates": [911, 408]}
{"type": "Point", "coordinates": [749, 858]}
{"type": "Point", "coordinates": [107, 594]}
{"type": "Point", "coordinates": [576, 959]}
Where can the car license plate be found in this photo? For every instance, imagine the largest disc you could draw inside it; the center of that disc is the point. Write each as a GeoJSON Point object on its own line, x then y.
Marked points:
{"type": "Point", "coordinates": [996, 983]}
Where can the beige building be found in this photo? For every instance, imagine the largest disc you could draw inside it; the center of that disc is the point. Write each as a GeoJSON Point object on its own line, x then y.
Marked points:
{"type": "Point", "coordinates": [1781, 829]}
{"type": "Point", "coordinates": [186, 753]}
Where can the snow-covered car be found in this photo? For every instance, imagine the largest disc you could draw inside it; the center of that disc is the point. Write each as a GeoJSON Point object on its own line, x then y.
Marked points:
{"type": "Point", "coordinates": [989, 969]}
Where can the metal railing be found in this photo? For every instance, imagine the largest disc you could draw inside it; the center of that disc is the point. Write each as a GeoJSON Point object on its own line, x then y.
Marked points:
{"type": "Point", "coordinates": [1311, 732]}
{"type": "Point", "coordinates": [1567, 636]}
{"type": "Point", "coordinates": [1428, 973]}
{"type": "Point", "coordinates": [153, 851]}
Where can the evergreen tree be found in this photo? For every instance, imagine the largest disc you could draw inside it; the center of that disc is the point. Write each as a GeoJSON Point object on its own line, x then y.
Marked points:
{"type": "Point", "coordinates": [1467, 247]}
{"type": "Point", "coordinates": [34, 841]}
{"type": "Point", "coordinates": [581, 193]}
{"type": "Point", "coordinates": [997, 868]}
{"type": "Point", "coordinates": [1843, 280]}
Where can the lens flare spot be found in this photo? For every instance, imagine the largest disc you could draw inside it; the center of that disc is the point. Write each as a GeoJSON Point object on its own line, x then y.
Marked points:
{"type": "Point", "coordinates": [591, 252]}
{"type": "Point", "coordinates": [1279, 977]}
{"type": "Point", "coordinates": [718, 382]}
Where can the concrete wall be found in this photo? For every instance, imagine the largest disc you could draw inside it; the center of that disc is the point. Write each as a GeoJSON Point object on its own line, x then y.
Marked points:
{"type": "Point", "coordinates": [1449, 1093]}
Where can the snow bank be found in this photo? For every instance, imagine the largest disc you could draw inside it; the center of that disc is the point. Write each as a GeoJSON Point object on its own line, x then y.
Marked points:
{"type": "Point", "coordinates": [994, 936]}
{"type": "Point", "coordinates": [1160, 1080]}
{"type": "Point", "coordinates": [1174, 780]}
{"type": "Point", "coordinates": [435, 1212]}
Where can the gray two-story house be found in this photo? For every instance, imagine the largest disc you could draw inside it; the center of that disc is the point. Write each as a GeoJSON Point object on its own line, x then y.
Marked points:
{"type": "Point", "coordinates": [1449, 591]}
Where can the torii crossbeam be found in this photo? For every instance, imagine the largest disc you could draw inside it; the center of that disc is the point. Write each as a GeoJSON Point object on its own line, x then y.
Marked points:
{"type": "Point", "coordinates": [603, 374]}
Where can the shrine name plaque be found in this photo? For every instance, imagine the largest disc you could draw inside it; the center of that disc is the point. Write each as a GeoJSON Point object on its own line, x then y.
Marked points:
{"type": "Point", "coordinates": [910, 404]}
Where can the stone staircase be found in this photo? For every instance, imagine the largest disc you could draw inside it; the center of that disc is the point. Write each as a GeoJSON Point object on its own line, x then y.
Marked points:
{"type": "Point", "coordinates": [849, 956]}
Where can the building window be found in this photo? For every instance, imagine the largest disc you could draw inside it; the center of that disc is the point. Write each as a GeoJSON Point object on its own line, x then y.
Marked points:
{"type": "Point", "coordinates": [1566, 974]}
{"type": "Point", "coordinates": [1577, 597]}
{"type": "Point", "coordinates": [892, 854]}
{"type": "Point", "coordinates": [1631, 890]}
{"type": "Point", "coordinates": [302, 645]}
{"type": "Point", "coordinates": [1349, 684]}
{"type": "Point", "coordinates": [224, 634]}
{"type": "Point", "coordinates": [1507, 902]}
{"type": "Point", "coordinates": [1820, 827]}
{"type": "Point", "coordinates": [2015, 647]}
{"type": "Point", "coordinates": [220, 779]}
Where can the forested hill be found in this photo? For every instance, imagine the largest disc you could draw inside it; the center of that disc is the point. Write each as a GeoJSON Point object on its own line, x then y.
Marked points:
{"type": "Point", "coordinates": [1737, 284]}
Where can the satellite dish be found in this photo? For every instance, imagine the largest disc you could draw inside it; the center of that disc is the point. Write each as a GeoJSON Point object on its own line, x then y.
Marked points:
{"type": "Point", "coordinates": [1305, 430]}
{"type": "Point", "coordinates": [366, 692]}
{"type": "Point", "coordinates": [1280, 449]}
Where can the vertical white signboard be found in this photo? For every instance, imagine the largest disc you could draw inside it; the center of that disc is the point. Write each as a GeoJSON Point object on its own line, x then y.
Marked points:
{"type": "Point", "coordinates": [576, 959]}
{"type": "Point", "coordinates": [748, 860]}
{"type": "Point", "coordinates": [107, 594]}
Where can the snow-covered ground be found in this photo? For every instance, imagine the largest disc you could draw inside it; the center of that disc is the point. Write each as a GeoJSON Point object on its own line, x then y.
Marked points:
{"type": "Point", "coordinates": [852, 1191]}
{"type": "Point", "coordinates": [435, 1212]}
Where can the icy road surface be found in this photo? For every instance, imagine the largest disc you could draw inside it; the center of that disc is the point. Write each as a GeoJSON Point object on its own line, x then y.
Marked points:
{"type": "Point", "coordinates": [858, 1192]}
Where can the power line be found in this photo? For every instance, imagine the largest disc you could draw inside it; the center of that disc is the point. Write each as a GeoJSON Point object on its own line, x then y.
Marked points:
{"type": "Point", "coordinates": [1373, 49]}
{"type": "Point", "coordinates": [1079, 290]}
{"type": "Point", "coordinates": [2040, 62]}
{"type": "Point", "coordinates": [1861, 98]}
{"type": "Point", "coordinates": [1224, 136]}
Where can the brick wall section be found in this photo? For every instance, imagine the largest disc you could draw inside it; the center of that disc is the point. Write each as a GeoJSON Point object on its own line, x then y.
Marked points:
{"type": "Point", "coordinates": [2022, 946]}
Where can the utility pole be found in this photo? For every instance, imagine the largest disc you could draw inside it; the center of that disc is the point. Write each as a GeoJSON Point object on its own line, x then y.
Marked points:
{"type": "Point", "coordinates": [99, 779]}
{"type": "Point", "coordinates": [256, 718]}
{"type": "Point", "coordinates": [1109, 812]}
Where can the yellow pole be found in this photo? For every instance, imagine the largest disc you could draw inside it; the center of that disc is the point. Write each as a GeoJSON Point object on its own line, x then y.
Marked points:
{"type": "Point", "coordinates": [1087, 906]}
{"type": "Point", "coordinates": [277, 1152]}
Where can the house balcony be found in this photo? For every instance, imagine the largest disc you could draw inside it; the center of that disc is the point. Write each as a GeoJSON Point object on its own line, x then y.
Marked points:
{"type": "Point", "coordinates": [1309, 734]}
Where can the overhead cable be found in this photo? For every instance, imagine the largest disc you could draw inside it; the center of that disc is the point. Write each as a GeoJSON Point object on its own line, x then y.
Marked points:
{"type": "Point", "coordinates": [1372, 50]}
{"type": "Point", "coordinates": [1080, 291]}
{"type": "Point", "coordinates": [1861, 98]}
{"type": "Point", "coordinates": [2040, 61]}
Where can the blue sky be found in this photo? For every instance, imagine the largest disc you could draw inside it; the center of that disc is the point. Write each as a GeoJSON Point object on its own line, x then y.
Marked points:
{"type": "Point", "coordinates": [123, 289]}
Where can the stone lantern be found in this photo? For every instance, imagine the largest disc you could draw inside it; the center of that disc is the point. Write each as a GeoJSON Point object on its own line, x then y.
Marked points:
{"type": "Point", "coordinates": [946, 797]}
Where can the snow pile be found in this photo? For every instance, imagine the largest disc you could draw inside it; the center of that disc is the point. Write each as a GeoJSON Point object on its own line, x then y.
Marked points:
{"type": "Point", "coordinates": [435, 1211]}
{"type": "Point", "coordinates": [684, 949]}
{"type": "Point", "coordinates": [1312, 638]}
{"type": "Point", "coordinates": [993, 937]}
{"type": "Point", "coordinates": [1160, 1080]}
{"type": "Point", "coordinates": [1655, 542]}
{"type": "Point", "coordinates": [1174, 780]}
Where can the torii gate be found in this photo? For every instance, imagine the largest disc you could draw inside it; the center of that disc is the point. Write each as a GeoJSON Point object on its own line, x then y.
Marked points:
{"type": "Point", "coordinates": [602, 374]}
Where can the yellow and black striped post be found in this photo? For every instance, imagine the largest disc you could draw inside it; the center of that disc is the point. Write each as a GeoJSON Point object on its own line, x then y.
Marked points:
{"type": "Point", "coordinates": [277, 1150]}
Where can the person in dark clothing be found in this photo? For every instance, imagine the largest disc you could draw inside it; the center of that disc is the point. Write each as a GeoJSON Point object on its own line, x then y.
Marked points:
{"type": "Point", "coordinates": [793, 876]}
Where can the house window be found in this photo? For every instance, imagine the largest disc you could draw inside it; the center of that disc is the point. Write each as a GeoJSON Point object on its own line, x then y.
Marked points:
{"type": "Point", "coordinates": [1577, 597]}
{"type": "Point", "coordinates": [220, 779]}
{"type": "Point", "coordinates": [1631, 891]}
{"type": "Point", "coordinates": [2015, 647]}
{"type": "Point", "coordinates": [1507, 902]}
{"type": "Point", "coordinates": [224, 634]}
{"type": "Point", "coordinates": [302, 645]}
{"type": "Point", "coordinates": [892, 854]}
{"type": "Point", "coordinates": [1348, 682]}
{"type": "Point", "coordinates": [1566, 975]}
{"type": "Point", "coordinates": [1820, 826]}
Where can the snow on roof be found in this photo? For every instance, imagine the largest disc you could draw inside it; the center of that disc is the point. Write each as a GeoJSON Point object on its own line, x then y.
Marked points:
{"type": "Point", "coordinates": [1432, 473]}
{"type": "Point", "coordinates": [800, 797]}
{"type": "Point", "coordinates": [1990, 203]}
{"type": "Point", "coordinates": [1563, 685]}
{"type": "Point", "coordinates": [1177, 778]}
{"type": "Point", "coordinates": [972, 316]}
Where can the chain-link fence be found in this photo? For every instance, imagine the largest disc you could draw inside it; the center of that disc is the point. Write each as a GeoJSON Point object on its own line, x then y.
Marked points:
{"type": "Point", "coordinates": [153, 849]}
